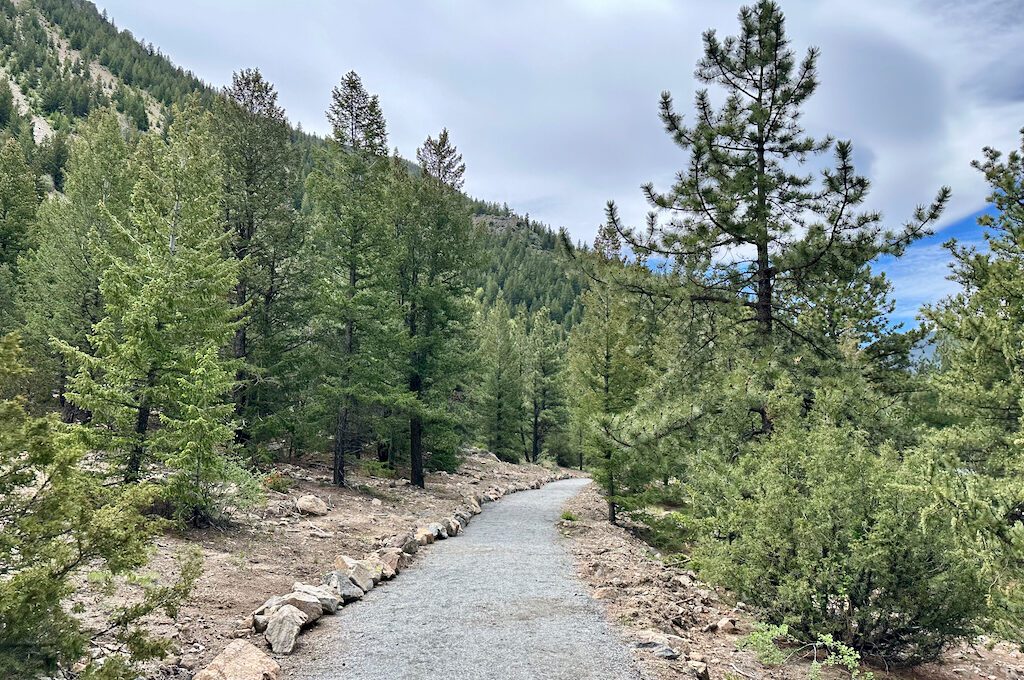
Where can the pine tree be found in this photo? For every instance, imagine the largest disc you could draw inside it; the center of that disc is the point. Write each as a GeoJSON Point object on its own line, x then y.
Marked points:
{"type": "Point", "coordinates": [604, 372]}
{"type": "Point", "coordinates": [739, 192]}
{"type": "Point", "coordinates": [544, 354]}
{"type": "Point", "coordinates": [356, 118]}
{"type": "Point", "coordinates": [60, 292]}
{"type": "Point", "coordinates": [17, 211]}
{"type": "Point", "coordinates": [434, 251]}
{"type": "Point", "coordinates": [440, 159]}
{"type": "Point", "coordinates": [351, 301]}
{"type": "Point", "coordinates": [501, 385]}
{"type": "Point", "coordinates": [165, 286]}
{"type": "Point", "coordinates": [59, 522]}
{"type": "Point", "coordinates": [266, 236]}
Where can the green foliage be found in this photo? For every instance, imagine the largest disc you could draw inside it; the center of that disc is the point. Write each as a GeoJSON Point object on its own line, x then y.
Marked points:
{"type": "Point", "coordinates": [352, 302]}
{"type": "Point", "coordinates": [266, 239]}
{"type": "Point", "coordinates": [166, 314]}
{"type": "Point", "coordinates": [762, 641]}
{"type": "Point", "coordinates": [275, 481]}
{"type": "Point", "coordinates": [524, 263]}
{"type": "Point", "coordinates": [840, 656]}
{"type": "Point", "coordinates": [17, 211]}
{"type": "Point", "coordinates": [569, 516]}
{"type": "Point", "coordinates": [835, 536]}
{"type": "Point", "coordinates": [434, 250]}
{"type": "Point", "coordinates": [501, 408]}
{"type": "Point", "coordinates": [59, 523]}
{"type": "Point", "coordinates": [762, 400]}
{"type": "Point", "coordinates": [60, 291]}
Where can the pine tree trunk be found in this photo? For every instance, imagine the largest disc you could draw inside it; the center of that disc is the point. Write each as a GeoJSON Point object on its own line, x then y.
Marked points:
{"type": "Point", "coordinates": [240, 350]}
{"type": "Point", "coordinates": [535, 452]}
{"type": "Point", "coordinates": [340, 444]}
{"type": "Point", "coordinates": [134, 466]}
{"type": "Point", "coordinates": [416, 447]}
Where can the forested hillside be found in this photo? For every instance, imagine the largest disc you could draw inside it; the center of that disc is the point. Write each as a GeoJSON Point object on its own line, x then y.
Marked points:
{"type": "Point", "coordinates": [193, 290]}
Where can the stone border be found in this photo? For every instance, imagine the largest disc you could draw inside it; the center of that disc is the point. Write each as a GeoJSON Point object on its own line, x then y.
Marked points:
{"type": "Point", "coordinates": [282, 618]}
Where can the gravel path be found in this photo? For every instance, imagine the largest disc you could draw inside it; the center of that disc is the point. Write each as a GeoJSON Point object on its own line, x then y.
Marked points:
{"type": "Point", "coordinates": [500, 601]}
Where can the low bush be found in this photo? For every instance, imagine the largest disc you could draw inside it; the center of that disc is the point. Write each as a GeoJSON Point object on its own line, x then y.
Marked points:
{"type": "Point", "coordinates": [843, 540]}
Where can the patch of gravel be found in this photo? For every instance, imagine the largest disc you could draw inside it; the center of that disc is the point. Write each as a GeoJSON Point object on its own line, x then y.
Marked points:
{"type": "Point", "coordinates": [500, 601]}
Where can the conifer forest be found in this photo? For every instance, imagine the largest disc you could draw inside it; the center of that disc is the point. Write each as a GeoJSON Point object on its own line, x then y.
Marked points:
{"type": "Point", "coordinates": [198, 296]}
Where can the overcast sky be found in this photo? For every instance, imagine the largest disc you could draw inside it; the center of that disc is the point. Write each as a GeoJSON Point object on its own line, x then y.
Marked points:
{"type": "Point", "coordinates": [553, 103]}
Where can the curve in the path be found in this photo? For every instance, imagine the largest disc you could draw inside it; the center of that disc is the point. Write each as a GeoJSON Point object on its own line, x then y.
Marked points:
{"type": "Point", "coordinates": [500, 601]}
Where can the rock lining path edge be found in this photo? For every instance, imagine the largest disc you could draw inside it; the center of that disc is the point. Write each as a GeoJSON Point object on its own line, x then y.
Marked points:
{"type": "Point", "coordinates": [501, 600]}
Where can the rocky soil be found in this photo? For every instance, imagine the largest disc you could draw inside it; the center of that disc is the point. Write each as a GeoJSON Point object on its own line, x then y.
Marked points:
{"type": "Point", "coordinates": [682, 628]}
{"type": "Point", "coordinates": [266, 553]}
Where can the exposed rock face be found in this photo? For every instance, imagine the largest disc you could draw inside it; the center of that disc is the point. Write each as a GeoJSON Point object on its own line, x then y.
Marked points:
{"type": "Point", "coordinates": [240, 661]}
{"type": "Point", "coordinates": [283, 629]}
{"type": "Point", "coordinates": [329, 599]}
{"type": "Point", "coordinates": [311, 505]}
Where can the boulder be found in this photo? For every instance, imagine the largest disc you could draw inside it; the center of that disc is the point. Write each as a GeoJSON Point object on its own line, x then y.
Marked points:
{"type": "Point", "coordinates": [311, 505]}
{"type": "Point", "coordinates": [356, 572]}
{"type": "Point", "coordinates": [305, 603]}
{"type": "Point", "coordinates": [240, 661]}
{"type": "Point", "coordinates": [424, 536]}
{"type": "Point", "coordinates": [727, 625]}
{"type": "Point", "coordinates": [270, 606]}
{"type": "Point", "coordinates": [259, 622]}
{"type": "Point", "coordinates": [451, 525]}
{"type": "Point", "coordinates": [659, 649]}
{"type": "Point", "coordinates": [376, 568]}
{"type": "Point", "coordinates": [329, 599]}
{"type": "Point", "coordinates": [283, 629]}
{"type": "Point", "coordinates": [340, 583]}
{"type": "Point", "coordinates": [392, 560]}
{"type": "Point", "coordinates": [438, 530]}
{"type": "Point", "coordinates": [405, 542]}
{"type": "Point", "coordinates": [699, 670]}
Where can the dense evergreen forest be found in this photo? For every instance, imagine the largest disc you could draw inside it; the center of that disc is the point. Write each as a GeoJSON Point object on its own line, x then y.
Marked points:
{"type": "Point", "coordinates": [191, 290]}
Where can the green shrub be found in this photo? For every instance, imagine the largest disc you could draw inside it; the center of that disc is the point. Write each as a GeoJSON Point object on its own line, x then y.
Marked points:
{"type": "Point", "coordinates": [445, 460]}
{"type": "Point", "coordinates": [840, 538]}
{"type": "Point", "coordinates": [275, 481]}
{"type": "Point", "coordinates": [374, 468]}
{"type": "Point", "coordinates": [569, 516]}
{"type": "Point", "coordinates": [762, 642]}
{"type": "Point", "coordinates": [60, 523]}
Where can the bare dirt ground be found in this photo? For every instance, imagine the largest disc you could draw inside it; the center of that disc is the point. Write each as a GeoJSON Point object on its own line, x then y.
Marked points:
{"type": "Point", "coordinates": [656, 602]}
{"type": "Point", "coordinates": [266, 551]}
